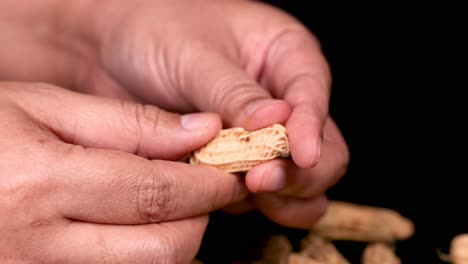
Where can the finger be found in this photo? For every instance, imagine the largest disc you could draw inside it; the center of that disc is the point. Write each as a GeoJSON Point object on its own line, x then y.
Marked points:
{"type": "Point", "coordinates": [241, 207]}
{"type": "Point", "coordinates": [291, 212]}
{"type": "Point", "coordinates": [114, 187]}
{"type": "Point", "coordinates": [296, 71]}
{"type": "Point", "coordinates": [285, 178]}
{"type": "Point", "coordinates": [220, 86]}
{"type": "Point", "coordinates": [172, 242]}
{"type": "Point", "coordinates": [106, 123]}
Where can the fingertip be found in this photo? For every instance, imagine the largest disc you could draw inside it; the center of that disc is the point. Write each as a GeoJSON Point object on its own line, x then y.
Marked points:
{"type": "Point", "coordinates": [306, 157]}
{"type": "Point", "coordinates": [199, 128]}
{"type": "Point", "coordinates": [200, 121]}
{"type": "Point", "coordinates": [264, 112]}
{"type": "Point", "coordinates": [305, 137]}
{"type": "Point", "coordinates": [177, 135]}
{"type": "Point", "coordinates": [267, 177]}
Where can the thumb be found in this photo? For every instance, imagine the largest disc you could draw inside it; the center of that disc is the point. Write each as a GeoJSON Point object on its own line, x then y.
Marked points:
{"type": "Point", "coordinates": [218, 85]}
{"type": "Point", "coordinates": [106, 123]}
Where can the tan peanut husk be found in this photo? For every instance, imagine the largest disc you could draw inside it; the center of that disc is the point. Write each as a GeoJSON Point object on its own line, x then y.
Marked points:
{"type": "Point", "coordinates": [322, 250]}
{"type": "Point", "coordinates": [348, 221]}
{"type": "Point", "coordinates": [379, 253]}
{"type": "Point", "coordinates": [238, 150]}
{"type": "Point", "coordinates": [276, 251]}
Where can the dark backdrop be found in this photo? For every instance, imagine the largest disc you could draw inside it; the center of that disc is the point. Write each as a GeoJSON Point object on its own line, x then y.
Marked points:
{"type": "Point", "coordinates": [397, 97]}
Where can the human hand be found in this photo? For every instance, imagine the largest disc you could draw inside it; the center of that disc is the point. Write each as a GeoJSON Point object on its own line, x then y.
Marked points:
{"type": "Point", "coordinates": [75, 186]}
{"type": "Point", "coordinates": [249, 62]}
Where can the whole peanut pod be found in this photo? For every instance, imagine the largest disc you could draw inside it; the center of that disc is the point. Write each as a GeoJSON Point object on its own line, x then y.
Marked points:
{"type": "Point", "coordinates": [276, 251]}
{"type": "Point", "coordinates": [354, 222]}
{"type": "Point", "coordinates": [321, 249]}
{"type": "Point", "coordinates": [380, 253]}
{"type": "Point", "coordinates": [238, 150]}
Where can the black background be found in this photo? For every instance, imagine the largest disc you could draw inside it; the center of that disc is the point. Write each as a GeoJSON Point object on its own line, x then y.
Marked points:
{"type": "Point", "coordinates": [398, 99]}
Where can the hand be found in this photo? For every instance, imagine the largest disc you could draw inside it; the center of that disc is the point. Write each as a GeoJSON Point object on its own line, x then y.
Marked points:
{"type": "Point", "coordinates": [75, 188]}
{"type": "Point", "coordinates": [300, 200]}
{"type": "Point", "coordinates": [249, 62]}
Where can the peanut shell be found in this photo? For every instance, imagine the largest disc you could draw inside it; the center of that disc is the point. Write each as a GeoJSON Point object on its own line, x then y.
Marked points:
{"type": "Point", "coordinates": [238, 150]}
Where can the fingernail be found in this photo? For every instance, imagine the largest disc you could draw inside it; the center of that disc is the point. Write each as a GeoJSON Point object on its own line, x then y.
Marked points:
{"type": "Point", "coordinates": [196, 121]}
{"type": "Point", "coordinates": [273, 180]}
{"type": "Point", "coordinates": [255, 105]}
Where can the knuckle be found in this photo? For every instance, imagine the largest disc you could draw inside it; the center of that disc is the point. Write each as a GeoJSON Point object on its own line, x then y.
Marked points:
{"type": "Point", "coordinates": [147, 116]}
{"type": "Point", "coordinates": [156, 195]}
{"type": "Point", "coordinates": [140, 119]}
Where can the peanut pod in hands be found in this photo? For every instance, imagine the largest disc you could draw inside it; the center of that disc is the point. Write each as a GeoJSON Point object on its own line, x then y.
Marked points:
{"type": "Point", "coordinates": [238, 150]}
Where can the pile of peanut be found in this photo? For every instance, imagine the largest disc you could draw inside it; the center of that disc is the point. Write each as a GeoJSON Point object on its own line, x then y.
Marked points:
{"type": "Point", "coordinates": [379, 227]}
{"type": "Point", "coordinates": [237, 150]}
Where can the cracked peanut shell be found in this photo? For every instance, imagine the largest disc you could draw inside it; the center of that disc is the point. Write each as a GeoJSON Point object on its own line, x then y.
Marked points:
{"type": "Point", "coordinates": [238, 150]}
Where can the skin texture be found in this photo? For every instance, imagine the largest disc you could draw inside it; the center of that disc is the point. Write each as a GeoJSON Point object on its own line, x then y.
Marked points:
{"type": "Point", "coordinates": [75, 189]}
{"type": "Point", "coordinates": [249, 64]}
